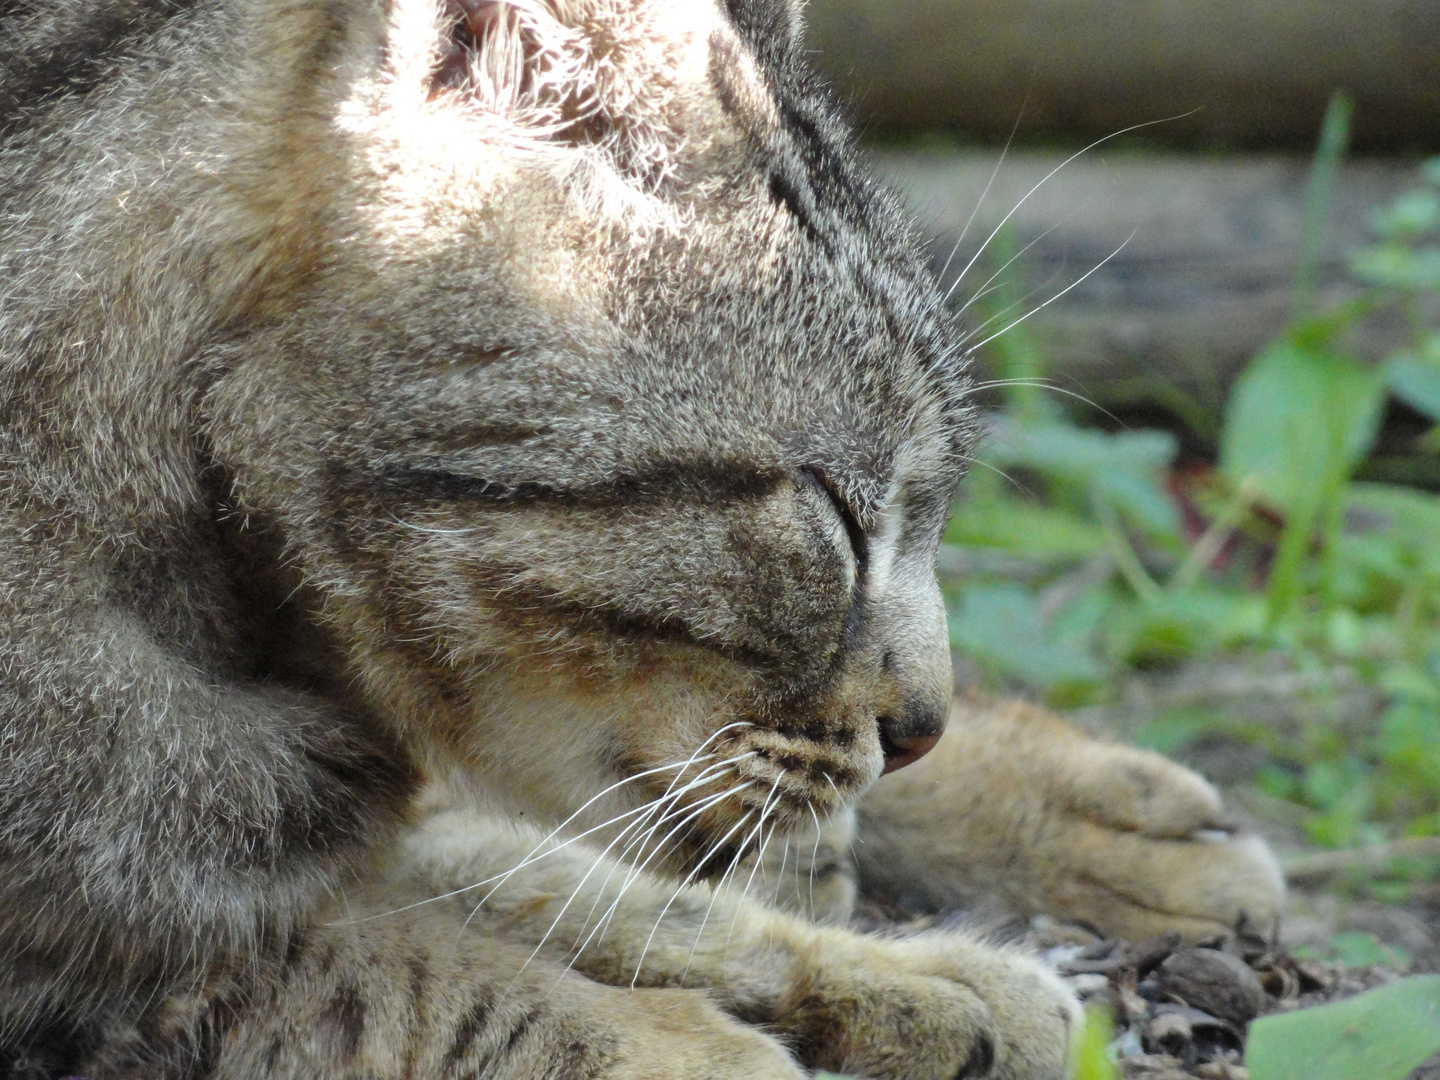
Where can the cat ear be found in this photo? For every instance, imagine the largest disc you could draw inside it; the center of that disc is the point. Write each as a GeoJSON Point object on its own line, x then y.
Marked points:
{"type": "Point", "coordinates": [514, 56]}
{"type": "Point", "coordinates": [795, 13]}
{"type": "Point", "coordinates": [771, 27]}
{"type": "Point", "coordinates": [469, 25]}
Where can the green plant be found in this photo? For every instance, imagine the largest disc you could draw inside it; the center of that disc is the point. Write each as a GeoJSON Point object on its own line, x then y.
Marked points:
{"type": "Point", "coordinates": [1079, 573]}
{"type": "Point", "coordinates": [1090, 1054]}
{"type": "Point", "coordinates": [1382, 1034]}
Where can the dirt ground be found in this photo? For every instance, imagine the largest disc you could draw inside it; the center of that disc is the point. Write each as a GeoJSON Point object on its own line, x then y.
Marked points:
{"type": "Point", "coordinates": [1183, 1013]}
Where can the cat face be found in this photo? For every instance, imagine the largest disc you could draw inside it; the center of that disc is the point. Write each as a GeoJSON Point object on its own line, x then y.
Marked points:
{"type": "Point", "coordinates": [618, 425]}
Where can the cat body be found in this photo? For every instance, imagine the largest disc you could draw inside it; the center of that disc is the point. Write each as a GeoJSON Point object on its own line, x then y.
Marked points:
{"type": "Point", "coordinates": [421, 426]}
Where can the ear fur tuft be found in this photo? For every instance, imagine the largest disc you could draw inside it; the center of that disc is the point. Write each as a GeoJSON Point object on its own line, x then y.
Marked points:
{"type": "Point", "coordinates": [516, 57]}
{"type": "Point", "coordinates": [600, 74]}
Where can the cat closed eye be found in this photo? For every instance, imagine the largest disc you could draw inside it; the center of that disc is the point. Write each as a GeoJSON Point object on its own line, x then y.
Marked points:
{"type": "Point", "coordinates": [848, 521]}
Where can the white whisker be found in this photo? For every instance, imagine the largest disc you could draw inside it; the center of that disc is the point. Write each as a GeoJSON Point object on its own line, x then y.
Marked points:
{"type": "Point", "coordinates": [434, 532]}
{"type": "Point", "coordinates": [681, 766]}
{"type": "Point", "coordinates": [531, 856]}
{"type": "Point", "coordinates": [1057, 296]}
{"type": "Point", "coordinates": [715, 889]}
{"type": "Point", "coordinates": [600, 927]}
{"type": "Point", "coordinates": [1003, 313]}
{"type": "Point", "coordinates": [760, 856]}
{"type": "Point", "coordinates": [1043, 384]}
{"type": "Point", "coordinates": [561, 913]}
{"type": "Point", "coordinates": [1004, 266]}
{"type": "Point", "coordinates": [688, 878]}
{"type": "Point", "coordinates": [1044, 179]}
{"type": "Point", "coordinates": [980, 202]}
{"type": "Point", "coordinates": [666, 803]}
{"type": "Point", "coordinates": [814, 857]}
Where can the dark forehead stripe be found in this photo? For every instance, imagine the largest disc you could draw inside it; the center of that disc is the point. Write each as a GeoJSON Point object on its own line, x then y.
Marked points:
{"type": "Point", "coordinates": [816, 173]}
{"type": "Point", "coordinates": [705, 482]}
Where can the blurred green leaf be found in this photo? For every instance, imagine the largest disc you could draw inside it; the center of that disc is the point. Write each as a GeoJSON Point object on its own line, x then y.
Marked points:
{"type": "Point", "coordinates": [1412, 213]}
{"type": "Point", "coordinates": [1405, 515]}
{"type": "Point", "coordinates": [1415, 382]}
{"type": "Point", "coordinates": [1175, 625]}
{"type": "Point", "coordinates": [1124, 467]}
{"type": "Point", "coordinates": [1410, 743]}
{"type": "Point", "coordinates": [1409, 684]}
{"type": "Point", "coordinates": [1354, 948]}
{"type": "Point", "coordinates": [1297, 421]}
{"type": "Point", "coordinates": [1379, 1035]}
{"type": "Point", "coordinates": [1296, 417]}
{"type": "Point", "coordinates": [1090, 1058]}
{"type": "Point", "coordinates": [1173, 730]}
{"type": "Point", "coordinates": [1395, 266]}
{"type": "Point", "coordinates": [1001, 625]}
{"type": "Point", "coordinates": [1024, 527]}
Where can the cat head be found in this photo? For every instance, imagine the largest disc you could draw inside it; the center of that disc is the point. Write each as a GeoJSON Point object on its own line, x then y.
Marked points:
{"type": "Point", "coordinates": [617, 422]}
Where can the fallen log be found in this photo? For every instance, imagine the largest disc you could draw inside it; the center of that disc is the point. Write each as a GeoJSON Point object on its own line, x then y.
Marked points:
{"type": "Point", "coordinates": [1201, 252]}
{"type": "Point", "coordinates": [1250, 74]}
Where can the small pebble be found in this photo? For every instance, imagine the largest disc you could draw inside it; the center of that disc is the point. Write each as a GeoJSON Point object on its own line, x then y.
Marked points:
{"type": "Point", "coordinates": [1213, 982]}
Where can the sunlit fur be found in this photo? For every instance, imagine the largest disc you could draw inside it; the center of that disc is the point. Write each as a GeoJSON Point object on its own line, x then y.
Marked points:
{"type": "Point", "coordinates": [421, 426]}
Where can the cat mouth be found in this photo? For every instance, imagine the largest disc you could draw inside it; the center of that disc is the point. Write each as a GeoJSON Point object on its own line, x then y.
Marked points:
{"type": "Point", "coordinates": [712, 819]}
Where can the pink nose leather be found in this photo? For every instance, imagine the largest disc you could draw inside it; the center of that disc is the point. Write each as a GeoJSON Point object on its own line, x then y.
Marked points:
{"type": "Point", "coordinates": [908, 751]}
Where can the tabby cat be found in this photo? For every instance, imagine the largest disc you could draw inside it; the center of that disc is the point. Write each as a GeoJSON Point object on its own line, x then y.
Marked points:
{"type": "Point", "coordinates": [423, 425]}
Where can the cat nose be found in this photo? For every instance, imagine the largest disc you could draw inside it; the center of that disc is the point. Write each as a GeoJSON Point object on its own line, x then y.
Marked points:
{"type": "Point", "coordinates": [905, 743]}
{"type": "Point", "coordinates": [904, 752]}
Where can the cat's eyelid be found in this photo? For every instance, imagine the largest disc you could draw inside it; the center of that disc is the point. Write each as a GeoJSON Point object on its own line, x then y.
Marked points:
{"type": "Point", "coordinates": [858, 545]}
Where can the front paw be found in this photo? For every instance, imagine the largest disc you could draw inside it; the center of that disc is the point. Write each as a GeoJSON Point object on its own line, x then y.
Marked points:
{"type": "Point", "coordinates": [1016, 805]}
{"type": "Point", "coordinates": [939, 1006]}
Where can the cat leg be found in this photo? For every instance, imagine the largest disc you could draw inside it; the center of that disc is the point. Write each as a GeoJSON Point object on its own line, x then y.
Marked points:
{"type": "Point", "coordinates": [413, 996]}
{"type": "Point", "coordinates": [939, 1006]}
{"type": "Point", "coordinates": [1014, 805]}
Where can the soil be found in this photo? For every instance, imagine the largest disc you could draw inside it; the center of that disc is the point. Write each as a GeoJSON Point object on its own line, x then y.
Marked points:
{"type": "Point", "coordinates": [1183, 1012]}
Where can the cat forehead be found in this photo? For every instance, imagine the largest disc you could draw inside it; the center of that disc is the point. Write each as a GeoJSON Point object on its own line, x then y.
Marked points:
{"type": "Point", "coordinates": [761, 303]}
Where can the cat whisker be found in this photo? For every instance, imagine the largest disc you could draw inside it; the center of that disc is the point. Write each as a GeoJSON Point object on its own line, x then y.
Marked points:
{"type": "Point", "coordinates": [499, 879]}
{"type": "Point", "coordinates": [814, 857]}
{"type": "Point", "coordinates": [780, 874]}
{"type": "Point", "coordinates": [532, 857]}
{"type": "Point", "coordinates": [719, 845]}
{"type": "Point", "coordinates": [434, 532]}
{"type": "Point", "coordinates": [601, 926]}
{"type": "Point", "coordinates": [1044, 384]}
{"type": "Point", "coordinates": [660, 918]}
{"type": "Point", "coordinates": [978, 204]}
{"type": "Point", "coordinates": [594, 865]}
{"type": "Point", "coordinates": [1046, 178]}
{"type": "Point", "coordinates": [622, 857]}
{"type": "Point", "coordinates": [656, 806]}
{"type": "Point", "coordinates": [1003, 267]}
{"type": "Point", "coordinates": [1052, 299]}
{"type": "Point", "coordinates": [773, 797]}
{"type": "Point", "coordinates": [708, 776]}
{"type": "Point", "coordinates": [998, 316]}
{"type": "Point", "coordinates": [690, 815]}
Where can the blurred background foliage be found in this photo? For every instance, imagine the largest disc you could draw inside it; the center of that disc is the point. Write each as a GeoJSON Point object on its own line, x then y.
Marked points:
{"type": "Point", "coordinates": [1079, 557]}
{"type": "Point", "coordinates": [1204, 517]}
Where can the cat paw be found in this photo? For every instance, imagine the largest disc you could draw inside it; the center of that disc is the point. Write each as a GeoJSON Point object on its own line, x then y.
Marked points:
{"type": "Point", "coordinates": [1018, 806]}
{"type": "Point", "coordinates": [1139, 846]}
{"type": "Point", "coordinates": [939, 1006]}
